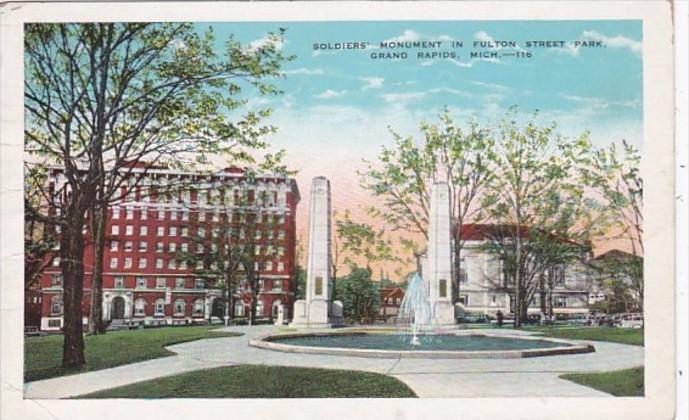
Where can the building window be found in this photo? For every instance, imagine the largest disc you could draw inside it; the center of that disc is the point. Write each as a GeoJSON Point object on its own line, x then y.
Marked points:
{"type": "Point", "coordinates": [185, 215]}
{"type": "Point", "coordinates": [281, 234]}
{"type": "Point", "coordinates": [202, 232]}
{"type": "Point", "coordinates": [202, 216]}
{"type": "Point", "coordinates": [128, 246]}
{"type": "Point", "coordinates": [173, 214]}
{"type": "Point", "coordinates": [129, 213]}
{"type": "Point", "coordinates": [160, 247]}
{"type": "Point", "coordinates": [119, 282]}
{"type": "Point", "coordinates": [160, 307]}
{"type": "Point", "coordinates": [199, 248]}
{"type": "Point", "coordinates": [160, 231]}
{"type": "Point", "coordinates": [161, 214]}
{"type": "Point", "coordinates": [173, 231]}
{"type": "Point", "coordinates": [115, 212]}
{"type": "Point", "coordinates": [143, 262]}
{"type": "Point", "coordinates": [56, 280]}
{"type": "Point", "coordinates": [269, 266]}
{"type": "Point", "coordinates": [199, 283]}
{"type": "Point", "coordinates": [143, 246]}
{"type": "Point", "coordinates": [144, 213]}
{"type": "Point", "coordinates": [182, 265]}
{"type": "Point", "coordinates": [179, 283]}
{"type": "Point", "coordinates": [172, 264]}
{"type": "Point", "coordinates": [184, 231]}
{"type": "Point", "coordinates": [281, 267]}
{"type": "Point", "coordinates": [129, 230]}
{"type": "Point", "coordinates": [160, 282]}
{"type": "Point", "coordinates": [113, 245]}
{"type": "Point", "coordinates": [139, 307]}
{"type": "Point", "coordinates": [56, 262]}
{"type": "Point", "coordinates": [198, 307]}
{"type": "Point", "coordinates": [56, 305]}
{"type": "Point", "coordinates": [113, 262]}
{"type": "Point", "coordinates": [277, 285]}
{"type": "Point", "coordinates": [464, 299]}
{"type": "Point", "coordinates": [463, 277]}
{"type": "Point", "coordinates": [560, 302]}
{"type": "Point", "coordinates": [141, 282]}
{"type": "Point", "coordinates": [184, 247]}
{"type": "Point", "coordinates": [179, 307]}
{"type": "Point", "coordinates": [143, 230]}
{"type": "Point", "coordinates": [127, 262]}
{"type": "Point", "coordinates": [216, 216]}
{"type": "Point", "coordinates": [115, 230]}
{"type": "Point", "coordinates": [159, 263]}
{"type": "Point", "coordinates": [173, 247]}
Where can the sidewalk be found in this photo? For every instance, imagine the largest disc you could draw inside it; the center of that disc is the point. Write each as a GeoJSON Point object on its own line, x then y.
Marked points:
{"type": "Point", "coordinates": [533, 377]}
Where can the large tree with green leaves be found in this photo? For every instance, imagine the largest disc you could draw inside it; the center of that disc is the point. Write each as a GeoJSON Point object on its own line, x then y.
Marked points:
{"type": "Point", "coordinates": [539, 201]}
{"type": "Point", "coordinates": [615, 173]}
{"type": "Point", "coordinates": [404, 174]}
{"type": "Point", "coordinates": [359, 295]}
{"type": "Point", "coordinates": [102, 97]}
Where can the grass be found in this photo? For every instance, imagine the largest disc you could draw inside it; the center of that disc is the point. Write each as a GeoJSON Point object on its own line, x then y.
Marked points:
{"type": "Point", "coordinates": [631, 336]}
{"type": "Point", "coordinates": [43, 355]}
{"type": "Point", "coordinates": [260, 381]}
{"type": "Point", "coordinates": [620, 383]}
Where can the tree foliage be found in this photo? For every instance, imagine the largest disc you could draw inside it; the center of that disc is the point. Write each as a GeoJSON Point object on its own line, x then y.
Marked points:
{"type": "Point", "coordinates": [102, 97]}
{"type": "Point", "coordinates": [359, 296]}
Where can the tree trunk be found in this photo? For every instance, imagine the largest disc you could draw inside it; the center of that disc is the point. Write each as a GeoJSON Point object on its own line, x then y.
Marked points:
{"type": "Point", "coordinates": [98, 218]}
{"type": "Point", "coordinates": [71, 263]}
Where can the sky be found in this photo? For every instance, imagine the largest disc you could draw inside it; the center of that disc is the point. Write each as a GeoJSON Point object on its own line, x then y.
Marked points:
{"type": "Point", "coordinates": [338, 105]}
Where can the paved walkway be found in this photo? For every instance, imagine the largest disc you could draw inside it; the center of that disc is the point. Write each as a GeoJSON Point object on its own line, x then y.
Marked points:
{"type": "Point", "coordinates": [531, 377]}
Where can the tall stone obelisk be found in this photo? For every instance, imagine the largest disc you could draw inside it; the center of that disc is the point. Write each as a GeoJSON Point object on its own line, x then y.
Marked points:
{"type": "Point", "coordinates": [316, 310]}
{"type": "Point", "coordinates": [437, 270]}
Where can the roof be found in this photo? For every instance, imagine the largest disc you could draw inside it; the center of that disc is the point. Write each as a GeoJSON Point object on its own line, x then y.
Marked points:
{"type": "Point", "coordinates": [616, 254]}
{"type": "Point", "coordinates": [481, 231]}
{"type": "Point", "coordinates": [386, 292]}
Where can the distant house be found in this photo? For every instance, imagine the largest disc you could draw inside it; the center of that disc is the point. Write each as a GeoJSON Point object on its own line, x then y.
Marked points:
{"type": "Point", "coordinates": [390, 301]}
{"type": "Point", "coordinates": [619, 284]}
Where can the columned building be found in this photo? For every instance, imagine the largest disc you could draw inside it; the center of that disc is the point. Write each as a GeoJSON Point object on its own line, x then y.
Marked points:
{"type": "Point", "coordinates": [483, 290]}
{"type": "Point", "coordinates": [164, 219]}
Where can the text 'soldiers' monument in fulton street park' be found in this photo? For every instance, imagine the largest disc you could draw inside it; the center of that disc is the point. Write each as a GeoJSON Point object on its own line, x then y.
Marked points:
{"type": "Point", "coordinates": [317, 310]}
{"type": "Point", "coordinates": [437, 269]}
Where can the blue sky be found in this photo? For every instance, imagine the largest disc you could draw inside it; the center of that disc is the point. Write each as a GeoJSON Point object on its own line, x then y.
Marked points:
{"type": "Point", "coordinates": [337, 106]}
{"type": "Point", "coordinates": [596, 89]}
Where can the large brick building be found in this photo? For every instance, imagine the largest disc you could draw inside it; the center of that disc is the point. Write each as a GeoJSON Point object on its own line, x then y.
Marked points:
{"type": "Point", "coordinates": [163, 213]}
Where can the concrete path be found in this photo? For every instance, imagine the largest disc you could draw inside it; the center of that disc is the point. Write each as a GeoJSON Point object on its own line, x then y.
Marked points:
{"type": "Point", "coordinates": [531, 377]}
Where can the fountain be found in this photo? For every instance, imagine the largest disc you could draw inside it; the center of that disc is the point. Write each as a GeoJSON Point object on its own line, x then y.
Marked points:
{"type": "Point", "coordinates": [426, 307]}
{"type": "Point", "coordinates": [415, 310]}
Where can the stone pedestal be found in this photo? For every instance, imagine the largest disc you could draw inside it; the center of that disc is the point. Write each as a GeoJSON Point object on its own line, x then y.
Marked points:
{"type": "Point", "coordinates": [315, 310]}
{"type": "Point", "coordinates": [281, 315]}
{"type": "Point", "coordinates": [437, 270]}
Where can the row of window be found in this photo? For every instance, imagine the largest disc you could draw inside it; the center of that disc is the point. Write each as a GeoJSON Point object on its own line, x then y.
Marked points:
{"type": "Point", "coordinates": [216, 194]}
{"type": "Point", "coordinates": [184, 247]}
{"type": "Point", "coordinates": [160, 283]}
{"type": "Point", "coordinates": [179, 307]}
{"type": "Point", "coordinates": [173, 264]}
{"type": "Point", "coordinates": [201, 216]}
{"type": "Point", "coordinates": [201, 232]}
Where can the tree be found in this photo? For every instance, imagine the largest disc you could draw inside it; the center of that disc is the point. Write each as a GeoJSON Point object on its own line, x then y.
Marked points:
{"type": "Point", "coordinates": [102, 97]}
{"type": "Point", "coordinates": [538, 200]}
{"type": "Point", "coordinates": [617, 178]}
{"type": "Point", "coordinates": [39, 236]}
{"type": "Point", "coordinates": [405, 173]}
{"type": "Point", "coordinates": [359, 295]}
{"type": "Point", "coordinates": [361, 240]}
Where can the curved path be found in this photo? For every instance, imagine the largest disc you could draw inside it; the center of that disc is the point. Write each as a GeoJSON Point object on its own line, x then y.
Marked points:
{"type": "Point", "coordinates": [531, 377]}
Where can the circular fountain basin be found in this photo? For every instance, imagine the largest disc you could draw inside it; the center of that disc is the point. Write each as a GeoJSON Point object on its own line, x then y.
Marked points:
{"type": "Point", "coordinates": [433, 346]}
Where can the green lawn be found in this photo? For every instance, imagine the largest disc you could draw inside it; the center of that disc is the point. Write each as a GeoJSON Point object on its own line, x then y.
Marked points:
{"type": "Point", "coordinates": [620, 383]}
{"type": "Point", "coordinates": [43, 355]}
{"type": "Point", "coordinates": [260, 381]}
{"type": "Point", "coordinates": [615, 335]}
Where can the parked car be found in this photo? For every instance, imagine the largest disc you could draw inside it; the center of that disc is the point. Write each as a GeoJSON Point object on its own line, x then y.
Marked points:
{"type": "Point", "coordinates": [631, 320]}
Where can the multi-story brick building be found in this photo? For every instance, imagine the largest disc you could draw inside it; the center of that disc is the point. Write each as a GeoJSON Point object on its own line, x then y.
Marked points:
{"type": "Point", "coordinates": [163, 213]}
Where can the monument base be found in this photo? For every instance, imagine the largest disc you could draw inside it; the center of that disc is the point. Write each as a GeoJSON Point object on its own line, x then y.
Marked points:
{"type": "Point", "coordinates": [443, 314]}
{"type": "Point", "coordinates": [313, 315]}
